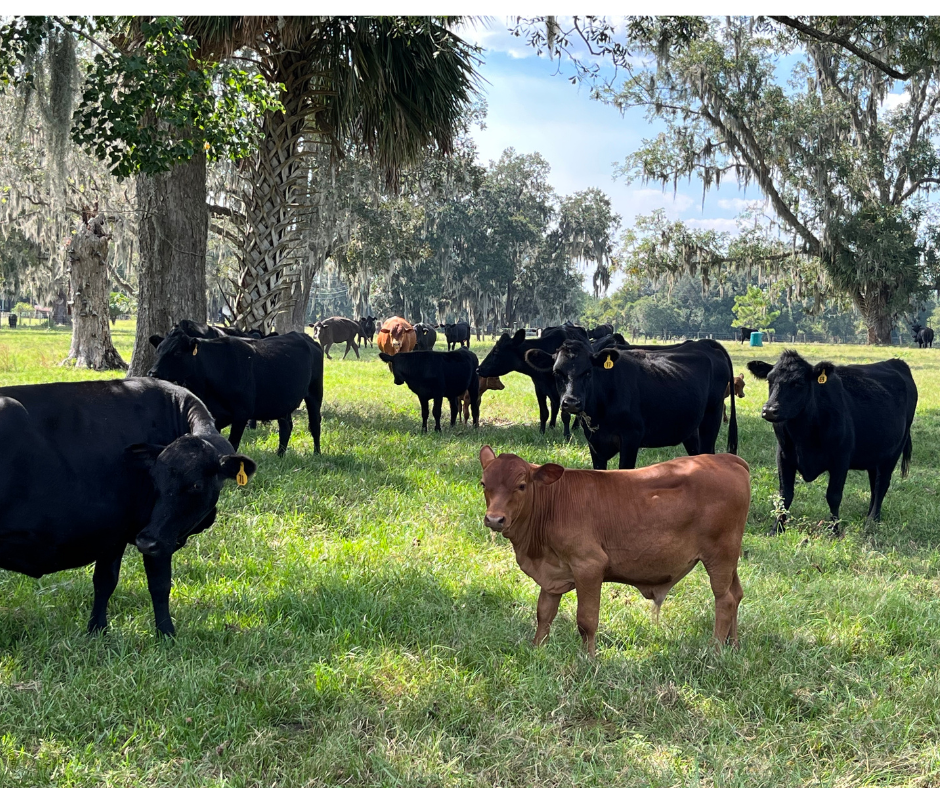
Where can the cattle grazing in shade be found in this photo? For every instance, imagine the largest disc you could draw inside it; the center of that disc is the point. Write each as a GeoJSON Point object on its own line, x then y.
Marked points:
{"type": "Point", "coordinates": [836, 418]}
{"type": "Point", "coordinates": [438, 376]}
{"type": "Point", "coordinates": [367, 330]}
{"type": "Point", "coordinates": [738, 392]}
{"type": "Point", "coordinates": [922, 335]}
{"type": "Point", "coordinates": [508, 355]}
{"type": "Point", "coordinates": [334, 330]}
{"type": "Point", "coordinates": [456, 333]}
{"type": "Point", "coordinates": [397, 335]}
{"type": "Point", "coordinates": [632, 399]}
{"type": "Point", "coordinates": [486, 384]}
{"type": "Point", "coordinates": [425, 336]}
{"type": "Point", "coordinates": [244, 379]}
{"type": "Point", "coordinates": [11, 320]}
{"type": "Point", "coordinates": [88, 468]}
{"type": "Point", "coordinates": [203, 331]}
{"type": "Point", "coordinates": [575, 530]}
{"type": "Point", "coordinates": [746, 334]}
{"type": "Point", "coordinates": [603, 330]}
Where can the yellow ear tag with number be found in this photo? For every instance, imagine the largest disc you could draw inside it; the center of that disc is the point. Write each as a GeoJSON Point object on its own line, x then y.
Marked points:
{"type": "Point", "coordinates": [822, 377]}
{"type": "Point", "coordinates": [241, 477]}
{"type": "Point", "coordinates": [609, 364]}
{"type": "Point", "coordinates": [195, 349]}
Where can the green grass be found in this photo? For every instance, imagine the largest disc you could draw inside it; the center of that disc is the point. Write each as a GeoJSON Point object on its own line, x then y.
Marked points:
{"type": "Point", "coordinates": [349, 621]}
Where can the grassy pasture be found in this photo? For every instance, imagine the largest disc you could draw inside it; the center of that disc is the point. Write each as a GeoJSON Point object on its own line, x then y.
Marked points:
{"type": "Point", "coordinates": [349, 621]}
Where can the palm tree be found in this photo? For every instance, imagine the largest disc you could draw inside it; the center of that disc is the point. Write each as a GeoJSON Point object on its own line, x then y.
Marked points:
{"type": "Point", "coordinates": [391, 86]}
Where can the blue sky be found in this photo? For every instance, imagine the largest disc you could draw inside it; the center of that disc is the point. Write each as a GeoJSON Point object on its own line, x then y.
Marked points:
{"type": "Point", "coordinates": [532, 107]}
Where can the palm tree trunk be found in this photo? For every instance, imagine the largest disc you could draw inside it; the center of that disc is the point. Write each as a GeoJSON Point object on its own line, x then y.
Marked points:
{"type": "Point", "coordinates": [174, 228]}
{"type": "Point", "coordinates": [91, 334]}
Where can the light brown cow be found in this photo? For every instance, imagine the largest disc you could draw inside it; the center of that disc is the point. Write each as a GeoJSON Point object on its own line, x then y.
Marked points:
{"type": "Point", "coordinates": [486, 384]}
{"type": "Point", "coordinates": [396, 335]}
{"type": "Point", "coordinates": [738, 392]}
{"type": "Point", "coordinates": [574, 529]}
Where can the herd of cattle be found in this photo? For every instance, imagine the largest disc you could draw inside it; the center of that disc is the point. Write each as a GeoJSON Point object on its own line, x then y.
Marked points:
{"type": "Point", "coordinates": [141, 461]}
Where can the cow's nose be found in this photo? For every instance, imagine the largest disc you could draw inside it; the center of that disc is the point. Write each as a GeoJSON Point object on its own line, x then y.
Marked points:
{"type": "Point", "coordinates": [770, 412]}
{"type": "Point", "coordinates": [147, 545]}
{"type": "Point", "coordinates": [496, 523]}
{"type": "Point", "coordinates": [571, 405]}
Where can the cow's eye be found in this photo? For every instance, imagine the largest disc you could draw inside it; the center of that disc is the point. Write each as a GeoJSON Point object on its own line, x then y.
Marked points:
{"type": "Point", "coordinates": [521, 486]}
{"type": "Point", "coordinates": [197, 487]}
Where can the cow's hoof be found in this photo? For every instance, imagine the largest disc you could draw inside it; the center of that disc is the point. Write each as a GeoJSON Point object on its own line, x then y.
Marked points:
{"type": "Point", "coordinates": [96, 628]}
{"type": "Point", "coordinates": [167, 630]}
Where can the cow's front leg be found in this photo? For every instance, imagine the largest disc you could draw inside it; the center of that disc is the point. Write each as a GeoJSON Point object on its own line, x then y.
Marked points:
{"type": "Point", "coordinates": [556, 404]}
{"type": "Point", "coordinates": [235, 434]}
{"type": "Point", "coordinates": [545, 613]}
{"type": "Point", "coordinates": [786, 476]}
{"type": "Point", "coordinates": [425, 412]}
{"type": "Point", "coordinates": [543, 412]}
{"type": "Point", "coordinates": [284, 428]}
{"type": "Point", "coordinates": [587, 580]}
{"type": "Point", "coordinates": [629, 449]}
{"type": "Point", "coordinates": [454, 409]}
{"type": "Point", "coordinates": [105, 580]}
{"type": "Point", "coordinates": [159, 579]}
{"type": "Point", "coordinates": [438, 403]}
{"type": "Point", "coordinates": [834, 490]}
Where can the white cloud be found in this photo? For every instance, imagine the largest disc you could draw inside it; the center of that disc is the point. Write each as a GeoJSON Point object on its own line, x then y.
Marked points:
{"type": "Point", "coordinates": [895, 100]}
{"type": "Point", "coordinates": [738, 205]}
{"type": "Point", "coordinates": [721, 225]}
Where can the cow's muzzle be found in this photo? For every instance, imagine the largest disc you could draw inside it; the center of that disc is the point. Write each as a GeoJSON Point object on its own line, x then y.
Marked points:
{"type": "Point", "coordinates": [571, 405]}
{"type": "Point", "coordinates": [495, 522]}
{"type": "Point", "coordinates": [771, 414]}
{"type": "Point", "coordinates": [149, 546]}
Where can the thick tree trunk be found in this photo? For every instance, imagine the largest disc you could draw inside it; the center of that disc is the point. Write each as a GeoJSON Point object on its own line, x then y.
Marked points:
{"type": "Point", "coordinates": [174, 230]}
{"type": "Point", "coordinates": [91, 288]}
{"type": "Point", "coordinates": [878, 318]}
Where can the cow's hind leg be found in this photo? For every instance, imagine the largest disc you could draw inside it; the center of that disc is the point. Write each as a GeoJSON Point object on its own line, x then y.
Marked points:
{"type": "Point", "coordinates": [880, 480]}
{"type": "Point", "coordinates": [588, 586]}
{"type": "Point", "coordinates": [545, 613]}
{"type": "Point", "coordinates": [454, 409]}
{"type": "Point", "coordinates": [285, 426]}
{"type": "Point", "coordinates": [834, 492]}
{"type": "Point", "coordinates": [105, 580]}
{"type": "Point", "coordinates": [159, 579]}
{"type": "Point", "coordinates": [438, 403]}
{"type": "Point", "coordinates": [693, 445]}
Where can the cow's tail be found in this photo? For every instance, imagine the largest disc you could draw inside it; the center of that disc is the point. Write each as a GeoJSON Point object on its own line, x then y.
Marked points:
{"type": "Point", "coordinates": [733, 422]}
{"type": "Point", "coordinates": [906, 456]}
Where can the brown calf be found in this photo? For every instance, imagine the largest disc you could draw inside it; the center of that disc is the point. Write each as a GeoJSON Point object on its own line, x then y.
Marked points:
{"type": "Point", "coordinates": [574, 529]}
{"type": "Point", "coordinates": [486, 384]}
{"type": "Point", "coordinates": [738, 392]}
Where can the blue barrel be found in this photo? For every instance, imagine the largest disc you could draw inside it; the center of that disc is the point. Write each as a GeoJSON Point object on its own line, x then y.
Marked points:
{"type": "Point", "coordinates": [757, 339]}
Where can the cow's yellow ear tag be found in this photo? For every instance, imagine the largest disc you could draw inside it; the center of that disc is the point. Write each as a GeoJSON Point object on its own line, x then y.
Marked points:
{"type": "Point", "coordinates": [609, 364]}
{"type": "Point", "coordinates": [822, 377]}
{"type": "Point", "coordinates": [195, 349]}
{"type": "Point", "coordinates": [241, 477]}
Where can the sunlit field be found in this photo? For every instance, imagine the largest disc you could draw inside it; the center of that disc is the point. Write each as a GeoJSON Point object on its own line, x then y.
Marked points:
{"type": "Point", "coordinates": [349, 620]}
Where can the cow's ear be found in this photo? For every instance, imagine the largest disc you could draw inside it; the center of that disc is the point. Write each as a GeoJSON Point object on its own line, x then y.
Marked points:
{"type": "Point", "coordinates": [540, 360]}
{"type": "Point", "coordinates": [759, 369]}
{"type": "Point", "coordinates": [487, 455]}
{"type": "Point", "coordinates": [548, 473]}
{"type": "Point", "coordinates": [155, 340]}
{"type": "Point", "coordinates": [386, 358]}
{"type": "Point", "coordinates": [143, 455]}
{"type": "Point", "coordinates": [237, 467]}
{"type": "Point", "coordinates": [620, 339]}
{"type": "Point", "coordinates": [823, 371]}
{"type": "Point", "coordinates": [606, 358]}
{"type": "Point", "coordinates": [519, 337]}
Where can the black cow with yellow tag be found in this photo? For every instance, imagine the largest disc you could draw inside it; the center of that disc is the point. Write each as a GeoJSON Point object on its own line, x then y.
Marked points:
{"type": "Point", "coordinates": [88, 468]}
{"type": "Point", "coordinates": [628, 398]}
{"type": "Point", "coordinates": [832, 418]}
{"type": "Point", "coordinates": [241, 380]}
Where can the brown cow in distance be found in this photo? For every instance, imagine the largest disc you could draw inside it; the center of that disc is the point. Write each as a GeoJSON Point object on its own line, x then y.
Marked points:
{"type": "Point", "coordinates": [486, 384]}
{"type": "Point", "coordinates": [334, 330]}
{"type": "Point", "coordinates": [574, 529]}
{"type": "Point", "coordinates": [396, 335]}
{"type": "Point", "coordinates": [738, 392]}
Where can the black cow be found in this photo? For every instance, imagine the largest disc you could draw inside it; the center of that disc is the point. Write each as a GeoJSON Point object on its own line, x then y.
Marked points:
{"type": "Point", "coordinates": [632, 399]}
{"type": "Point", "coordinates": [88, 468]}
{"type": "Point", "coordinates": [367, 330]}
{"type": "Point", "coordinates": [244, 379]}
{"type": "Point", "coordinates": [438, 376]}
{"type": "Point", "coordinates": [425, 335]}
{"type": "Point", "coordinates": [923, 335]}
{"type": "Point", "coordinates": [203, 331]}
{"type": "Point", "coordinates": [457, 334]}
{"type": "Point", "coordinates": [603, 330]}
{"type": "Point", "coordinates": [834, 419]}
{"type": "Point", "coordinates": [508, 355]}
{"type": "Point", "coordinates": [746, 334]}
{"type": "Point", "coordinates": [12, 320]}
